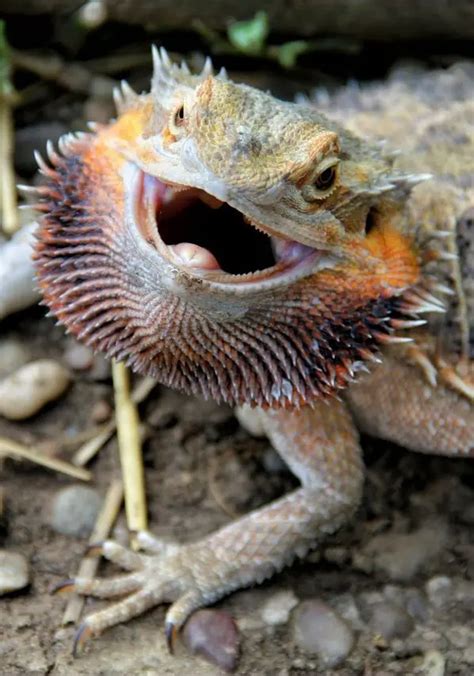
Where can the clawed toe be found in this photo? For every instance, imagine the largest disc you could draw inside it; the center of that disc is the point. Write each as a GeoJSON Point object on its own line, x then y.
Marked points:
{"type": "Point", "coordinates": [100, 587]}
{"type": "Point", "coordinates": [94, 549]}
{"type": "Point", "coordinates": [171, 633]}
{"type": "Point", "coordinates": [62, 587]}
{"type": "Point", "coordinates": [83, 633]}
{"type": "Point", "coordinates": [173, 574]}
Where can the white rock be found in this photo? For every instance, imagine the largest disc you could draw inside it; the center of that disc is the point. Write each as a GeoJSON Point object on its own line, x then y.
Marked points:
{"type": "Point", "coordinates": [74, 510]}
{"type": "Point", "coordinates": [439, 590]}
{"type": "Point", "coordinates": [14, 572]}
{"type": "Point", "coordinates": [278, 608]}
{"type": "Point", "coordinates": [27, 390]}
{"type": "Point", "coordinates": [17, 286]}
{"type": "Point", "coordinates": [319, 630]}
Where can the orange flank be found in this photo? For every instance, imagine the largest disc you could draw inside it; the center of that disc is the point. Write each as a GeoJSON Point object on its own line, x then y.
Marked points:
{"type": "Point", "coordinates": [399, 266]}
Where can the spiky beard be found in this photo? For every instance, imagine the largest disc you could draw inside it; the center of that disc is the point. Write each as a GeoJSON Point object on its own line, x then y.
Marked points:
{"type": "Point", "coordinates": [302, 343]}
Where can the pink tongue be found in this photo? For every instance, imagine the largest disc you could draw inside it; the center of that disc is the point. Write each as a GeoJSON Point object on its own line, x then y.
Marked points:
{"type": "Point", "coordinates": [194, 256]}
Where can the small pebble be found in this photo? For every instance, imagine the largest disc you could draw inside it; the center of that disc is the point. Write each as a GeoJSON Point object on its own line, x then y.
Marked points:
{"type": "Point", "coordinates": [278, 608]}
{"type": "Point", "coordinates": [12, 355]}
{"type": "Point", "coordinates": [439, 590]}
{"type": "Point", "coordinates": [213, 634]}
{"type": "Point", "coordinates": [14, 572]}
{"type": "Point", "coordinates": [77, 356]}
{"type": "Point", "coordinates": [74, 510]}
{"type": "Point", "coordinates": [318, 629]}
{"type": "Point", "coordinates": [417, 605]}
{"type": "Point", "coordinates": [27, 390]}
{"type": "Point", "coordinates": [390, 621]}
{"type": "Point", "coordinates": [401, 555]}
{"type": "Point", "coordinates": [101, 411]}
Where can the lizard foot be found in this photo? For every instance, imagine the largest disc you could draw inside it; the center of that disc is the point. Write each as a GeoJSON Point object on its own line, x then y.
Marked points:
{"type": "Point", "coordinates": [165, 572]}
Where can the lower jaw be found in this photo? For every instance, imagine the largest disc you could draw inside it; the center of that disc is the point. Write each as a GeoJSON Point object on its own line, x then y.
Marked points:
{"type": "Point", "coordinates": [294, 260]}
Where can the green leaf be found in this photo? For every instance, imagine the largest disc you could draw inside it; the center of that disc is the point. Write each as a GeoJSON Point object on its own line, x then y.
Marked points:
{"type": "Point", "coordinates": [288, 53]}
{"type": "Point", "coordinates": [249, 36]}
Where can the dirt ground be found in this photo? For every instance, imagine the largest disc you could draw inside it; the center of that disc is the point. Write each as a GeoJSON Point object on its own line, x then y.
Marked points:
{"type": "Point", "coordinates": [401, 576]}
{"type": "Point", "coordinates": [200, 463]}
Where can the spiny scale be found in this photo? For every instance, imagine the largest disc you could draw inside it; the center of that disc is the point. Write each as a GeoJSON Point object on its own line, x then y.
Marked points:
{"type": "Point", "coordinates": [167, 74]}
{"type": "Point", "coordinates": [286, 351]}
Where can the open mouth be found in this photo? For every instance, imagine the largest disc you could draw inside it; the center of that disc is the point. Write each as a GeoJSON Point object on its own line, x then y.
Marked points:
{"type": "Point", "coordinates": [208, 238]}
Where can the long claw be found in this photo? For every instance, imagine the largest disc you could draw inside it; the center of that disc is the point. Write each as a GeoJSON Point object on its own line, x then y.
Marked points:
{"type": "Point", "coordinates": [63, 587]}
{"type": "Point", "coordinates": [171, 634]}
{"type": "Point", "coordinates": [82, 634]}
{"type": "Point", "coordinates": [94, 549]}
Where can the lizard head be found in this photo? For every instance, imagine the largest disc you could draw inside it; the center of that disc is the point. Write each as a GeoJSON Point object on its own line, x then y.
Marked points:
{"type": "Point", "coordinates": [228, 243]}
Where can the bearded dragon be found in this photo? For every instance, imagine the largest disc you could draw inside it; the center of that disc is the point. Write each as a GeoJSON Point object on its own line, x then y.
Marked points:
{"type": "Point", "coordinates": [251, 250]}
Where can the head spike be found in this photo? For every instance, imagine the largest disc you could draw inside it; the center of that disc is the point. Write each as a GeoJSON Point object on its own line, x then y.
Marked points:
{"type": "Point", "coordinates": [118, 99]}
{"type": "Point", "coordinates": [165, 59]}
{"type": "Point", "coordinates": [185, 68]}
{"type": "Point", "coordinates": [208, 68]}
{"type": "Point", "coordinates": [128, 92]}
{"type": "Point", "coordinates": [156, 59]}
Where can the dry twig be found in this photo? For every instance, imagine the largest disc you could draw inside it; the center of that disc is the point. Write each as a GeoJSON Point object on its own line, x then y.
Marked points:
{"type": "Point", "coordinates": [88, 566]}
{"type": "Point", "coordinates": [8, 201]}
{"type": "Point", "coordinates": [128, 434]}
{"type": "Point", "coordinates": [13, 449]}
{"type": "Point", "coordinates": [88, 450]}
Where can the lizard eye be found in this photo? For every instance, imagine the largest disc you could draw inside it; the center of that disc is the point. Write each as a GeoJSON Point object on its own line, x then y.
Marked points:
{"type": "Point", "coordinates": [326, 178]}
{"type": "Point", "coordinates": [322, 184]}
{"type": "Point", "coordinates": [177, 120]}
{"type": "Point", "coordinates": [179, 116]}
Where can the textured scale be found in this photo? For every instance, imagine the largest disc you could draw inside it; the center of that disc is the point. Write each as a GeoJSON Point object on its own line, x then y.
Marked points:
{"type": "Point", "coordinates": [393, 247]}
{"type": "Point", "coordinates": [286, 347]}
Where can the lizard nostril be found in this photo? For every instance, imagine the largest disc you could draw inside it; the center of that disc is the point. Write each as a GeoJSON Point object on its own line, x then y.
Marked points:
{"type": "Point", "coordinates": [370, 220]}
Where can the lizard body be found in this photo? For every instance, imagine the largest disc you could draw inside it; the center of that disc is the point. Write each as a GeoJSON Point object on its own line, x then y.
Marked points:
{"type": "Point", "coordinates": [251, 250]}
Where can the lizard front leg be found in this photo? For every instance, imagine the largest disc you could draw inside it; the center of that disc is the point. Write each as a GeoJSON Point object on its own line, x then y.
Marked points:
{"type": "Point", "coordinates": [396, 402]}
{"type": "Point", "coordinates": [321, 447]}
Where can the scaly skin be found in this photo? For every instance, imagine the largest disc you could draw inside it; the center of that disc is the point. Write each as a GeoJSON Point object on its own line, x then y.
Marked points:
{"type": "Point", "coordinates": [148, 250]}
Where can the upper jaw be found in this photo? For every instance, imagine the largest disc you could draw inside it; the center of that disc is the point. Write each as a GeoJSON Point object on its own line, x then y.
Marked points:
{"type": "Point", "coordinates": [150, 201]}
